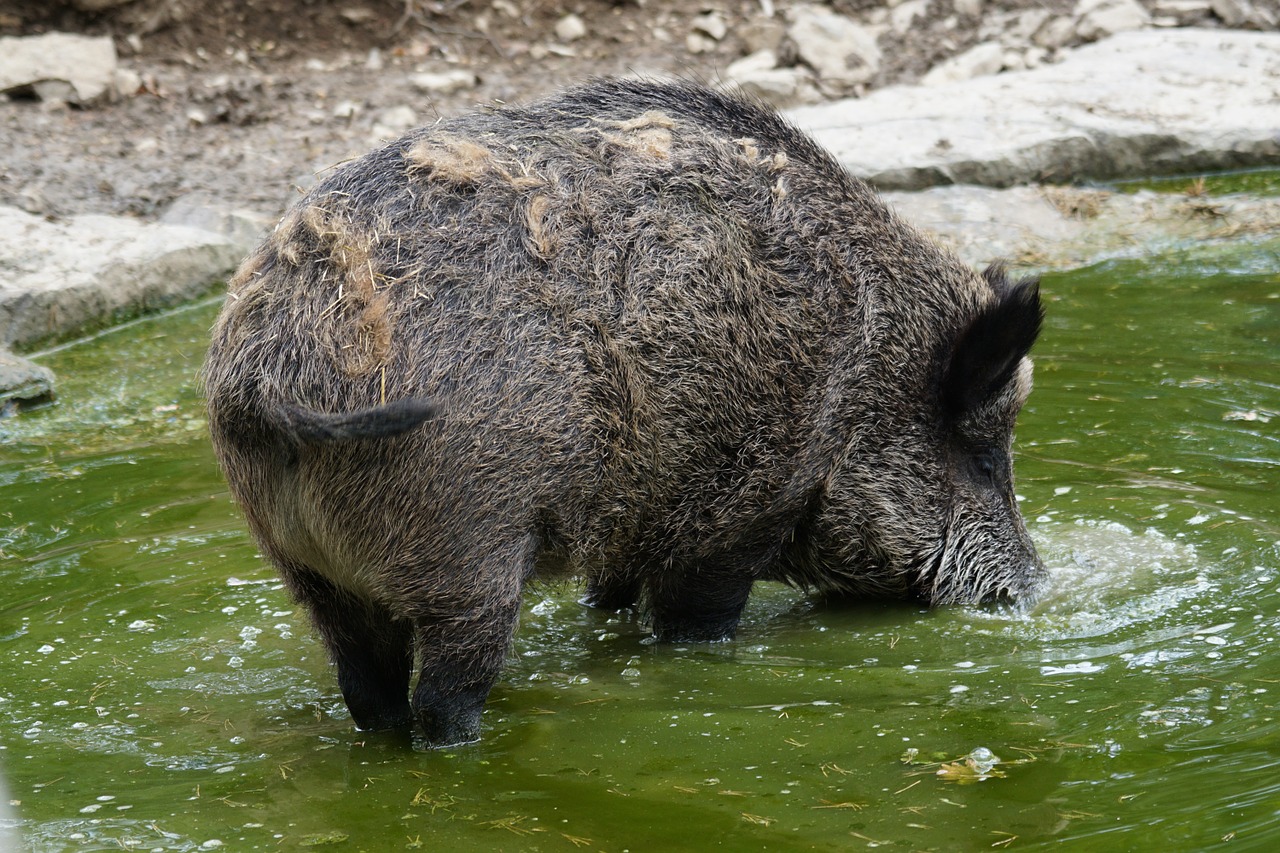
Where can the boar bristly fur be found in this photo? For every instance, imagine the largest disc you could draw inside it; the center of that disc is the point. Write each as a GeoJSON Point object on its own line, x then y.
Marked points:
{"type": "Point", "coordinates": [643, 334]}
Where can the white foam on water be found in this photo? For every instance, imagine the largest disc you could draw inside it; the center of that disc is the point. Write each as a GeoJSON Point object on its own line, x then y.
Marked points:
{"type": "Point", "coordinates": [1105, 576]}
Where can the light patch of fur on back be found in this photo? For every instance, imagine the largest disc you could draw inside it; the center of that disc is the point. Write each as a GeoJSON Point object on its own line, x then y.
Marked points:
{"type": "Point", "coordinates": [648, 133]}
{"type": "Point", "coordinates": [450, 159]}
{"type": "Point", "coordinates": [355, 327]}
{"type": "Point", "coordinates": [541, 240]}
{"type": "Point", "coordinates": [462, 162]}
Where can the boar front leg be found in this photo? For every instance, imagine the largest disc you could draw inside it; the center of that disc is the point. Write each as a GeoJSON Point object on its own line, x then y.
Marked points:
{"type": "Point", "coordinates": [612, 592]}
{"type": "Point", "coordinates": [372, 650]}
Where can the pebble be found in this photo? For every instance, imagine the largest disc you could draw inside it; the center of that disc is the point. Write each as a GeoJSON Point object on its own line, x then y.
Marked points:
{"type": "Point", "coordinates": [570, 28]}
{"type": "Point", "coordinates": [444, 82]}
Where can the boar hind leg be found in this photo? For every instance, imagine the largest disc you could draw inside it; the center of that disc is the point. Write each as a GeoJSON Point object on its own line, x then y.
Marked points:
{"type": "Point", "coordinates": [372, 651]}
{"type": "Point", "coordinates": [698, 606]}
{"type": "Point", "coordinates": [462, 644]}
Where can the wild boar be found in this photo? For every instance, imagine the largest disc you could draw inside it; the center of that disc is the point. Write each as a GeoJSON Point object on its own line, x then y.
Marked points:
{"type": "Point", "coordinates": [640, 333]}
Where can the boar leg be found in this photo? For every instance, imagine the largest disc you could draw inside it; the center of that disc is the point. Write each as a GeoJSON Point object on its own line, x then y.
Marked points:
{"type": "Point", "coordinates": [612, 592]}
{"type": "Point", "coordinates": [462, 643]}
{"type": "Point", "coordinates": [699, 605]}
{"type": "Point", "coordinates": [372, 651]}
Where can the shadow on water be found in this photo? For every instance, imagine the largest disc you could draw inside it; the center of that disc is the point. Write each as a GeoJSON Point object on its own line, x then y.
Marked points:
{"type": "Point", "coordinates": [159, 691]}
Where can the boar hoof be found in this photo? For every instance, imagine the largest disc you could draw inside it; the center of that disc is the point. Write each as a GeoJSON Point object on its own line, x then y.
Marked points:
{"type": "Point", "coordinates": [381, 719]}
{"type": "Point", "coordinates": [448, 719]}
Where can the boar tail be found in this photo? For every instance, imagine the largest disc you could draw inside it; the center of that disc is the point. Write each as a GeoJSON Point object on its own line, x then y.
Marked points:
{"type": "Point", "coordinates": [312, 427]}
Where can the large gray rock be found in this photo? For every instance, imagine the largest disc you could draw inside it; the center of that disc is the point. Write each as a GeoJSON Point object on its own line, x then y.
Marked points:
{"type": "Point", "coordinates": [23, 383]}
{"type": "Point", "coordinates": [757, 75]}
{"type": "Point", "coordinates": [1067, 227]}
{"type": "Point", "coordinates": [841, 51]}
{"type": "Point", "coordinates": [1147, 102]}
{"type": "Point", "coordinates": [59, 66]}
{"type": "Point", "coordinates": [60, 278]}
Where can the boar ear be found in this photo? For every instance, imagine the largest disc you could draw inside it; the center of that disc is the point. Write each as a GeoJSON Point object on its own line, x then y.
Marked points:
{"type": "Point", "coordinates": [988, 352]}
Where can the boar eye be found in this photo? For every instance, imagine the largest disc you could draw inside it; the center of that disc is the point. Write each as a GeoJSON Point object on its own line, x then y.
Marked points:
{"type": "Point", "coordinates": [984, 463]}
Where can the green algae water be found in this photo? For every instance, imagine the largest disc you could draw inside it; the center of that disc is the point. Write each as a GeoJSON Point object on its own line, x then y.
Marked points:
{"type": "Point", "coordinates": [159, 691]}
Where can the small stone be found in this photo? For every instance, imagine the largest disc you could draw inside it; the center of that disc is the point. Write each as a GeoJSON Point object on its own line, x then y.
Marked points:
{"type": "Point", "coordinates": [1183, 11]}
{"type": "Point", "coordinates": [570, 28]}
{"type": "Point", "coordinates": [392, 123]}
{"type": "Point", "coordinates": [699, 43]}
{"type": "Point", "coordinates": [782, 87]}
{"type": "Point", "coordinates": [444, 82]}
{"type": "Point", "coordinates": [760, 33]}
{"type": "Point", "coordinates": [357, 15]}
{"type": "Point", "coordinates": [1034, 57]}
{"type": "Point", "coordinates": [373, 62]}
{"type": "Point", "coordinates": [506, 7]}
{"type": "Point", "coordinates": [23, 383]}
{"type": "Point", "coordinates": [54, 91]}
{"type": "Point", "coordinates": [1242, 13]}
{"type": "Point", "coordinates": [903, 16]}
{"type": "Point", "coordinates": [127, 82]}
{"type": "Point", "coordinates": [761, 60]}
{"type": "Point", "coordinates": [712, 24]}
{"type": "Point", "coordinates": [968, 8]}
{"type": "Point", "coordinates": [979, 60]}
{"type": "Point", "coordinates": [346, 110]}
{"type": "Point", "coordinates": [758, 75]}
{"type": "Point", "coordinates": [1055, 33]}
{"type": "Point", "coordinates": [1096, 19]}
{"type": "Point", "coordinates": [1012, 60]}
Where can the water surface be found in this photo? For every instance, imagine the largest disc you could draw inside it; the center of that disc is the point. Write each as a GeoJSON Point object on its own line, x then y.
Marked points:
{"type": "Point", "coordinates": [159, 691]}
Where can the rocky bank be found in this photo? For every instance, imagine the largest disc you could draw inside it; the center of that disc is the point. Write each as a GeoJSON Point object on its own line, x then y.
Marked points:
{"type": "Point", "coordinates": [128, 186]}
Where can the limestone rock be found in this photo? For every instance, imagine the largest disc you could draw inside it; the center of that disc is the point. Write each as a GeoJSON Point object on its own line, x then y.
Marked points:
{"type": "Point", "coordinates": [242, 228]}
{"type": "Point", "coordinates": [1182, 12]}
{"type": "Point", "coordinates": [71, 275]}
{"type": "Point", "coordinates": [1055, 33]}
{"type": "Point", "coordinates": [393, 122]}
{"type": "Point", "coordinates": [1145, 102]}
{"type": "Point", "coordinates": [1244, 13]}
{"type": "Point", "coordinates": [1097, 19]}
{"type": "Point", "coordinates": [570, 28]}
{"type": "Point", "coordinates": [59, 66]}
{"type": "Point", "coordinates": [758, 75]}
{"type": "Point", "coordinates": [23, 383]}
{"type": "Point", "coordinates": [712, 24]}
{"type": "Point", "coordinates": [840, 50]}
{"type": "Point", "coordinates": [903, 16]}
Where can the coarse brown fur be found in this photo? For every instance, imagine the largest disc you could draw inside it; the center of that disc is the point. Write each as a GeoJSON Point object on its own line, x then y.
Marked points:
{"type": "Point", "coordinates": [640, 333]}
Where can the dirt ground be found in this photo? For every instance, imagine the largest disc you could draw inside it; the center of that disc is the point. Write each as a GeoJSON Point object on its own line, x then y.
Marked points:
{"type": "Point", "coordinates": [240, 102]}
